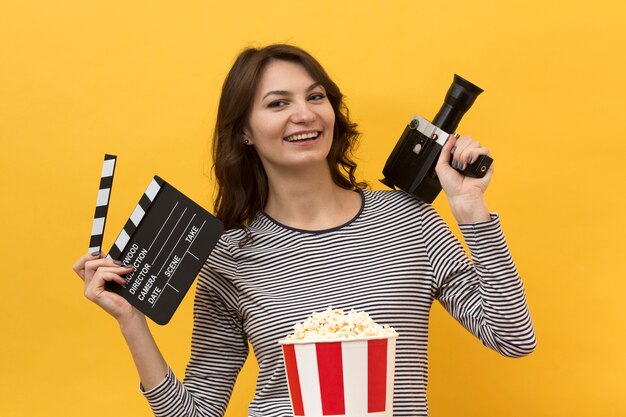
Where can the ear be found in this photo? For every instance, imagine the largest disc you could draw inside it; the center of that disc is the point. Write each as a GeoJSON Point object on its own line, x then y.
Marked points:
{"type": "Point", "coordinates": [246, 136]}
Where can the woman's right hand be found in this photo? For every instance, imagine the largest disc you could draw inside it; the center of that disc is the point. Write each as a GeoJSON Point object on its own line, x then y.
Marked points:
{"type": "Point", "coordinates": [96, 272]}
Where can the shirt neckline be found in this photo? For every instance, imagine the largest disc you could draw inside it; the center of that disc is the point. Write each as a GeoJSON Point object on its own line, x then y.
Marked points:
{"type": "Point", "coordinates": [322, 231]}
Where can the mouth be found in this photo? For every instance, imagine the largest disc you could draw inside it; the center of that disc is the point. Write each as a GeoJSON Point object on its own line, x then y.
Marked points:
{"type": "Point", "coordinates": [303, 137]}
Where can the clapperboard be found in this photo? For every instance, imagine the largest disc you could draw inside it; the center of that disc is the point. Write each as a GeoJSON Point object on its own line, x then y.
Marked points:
{"type": "Point", "coordinates": [167, 239]}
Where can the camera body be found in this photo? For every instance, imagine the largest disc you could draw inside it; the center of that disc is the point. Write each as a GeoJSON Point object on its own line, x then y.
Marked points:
{"type": "Point", "coordinates": [411, 165]}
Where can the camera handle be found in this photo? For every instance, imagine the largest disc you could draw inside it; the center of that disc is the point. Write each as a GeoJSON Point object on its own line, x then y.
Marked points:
{"type": "Point", "coordinates": [478, 169]}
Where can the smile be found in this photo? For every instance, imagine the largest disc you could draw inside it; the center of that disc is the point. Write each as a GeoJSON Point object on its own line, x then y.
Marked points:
{"type": "Point", "coordinates": [298, 137]}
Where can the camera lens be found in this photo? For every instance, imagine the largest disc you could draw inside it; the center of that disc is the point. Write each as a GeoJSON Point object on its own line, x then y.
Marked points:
{"type": "Point", "coordinates": [460, 97]}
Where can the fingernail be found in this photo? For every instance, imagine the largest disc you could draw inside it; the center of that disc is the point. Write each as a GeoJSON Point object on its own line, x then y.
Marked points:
{"type": "Point", "coordinates": [469, 159]}
{"type": "Point", "coordinates": [116, 262]}
{"type": "Point", "coordinates": [453, 164]}
{"type": "Point", "coordinates": [96, 253]}
{"type": "Point", "coordinates": [453, 149]}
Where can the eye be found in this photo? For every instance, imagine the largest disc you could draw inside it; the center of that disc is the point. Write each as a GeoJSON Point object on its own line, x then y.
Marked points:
{"type": "Point", "coordinates": [276, 104]}
{"type": "Point", "coordinates": [317, 96]}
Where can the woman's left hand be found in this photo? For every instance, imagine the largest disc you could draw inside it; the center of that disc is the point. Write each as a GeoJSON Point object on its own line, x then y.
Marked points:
{"type": "Point", "coordinates": [465, 194]}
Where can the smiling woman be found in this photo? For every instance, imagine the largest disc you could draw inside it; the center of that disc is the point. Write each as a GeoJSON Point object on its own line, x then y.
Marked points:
{"type": "Point", "coordinates": [286, 88]}
{"type": "Point", "coordinates": [303, 235]}
{"type": "Point", "coordinates": [291, 122]}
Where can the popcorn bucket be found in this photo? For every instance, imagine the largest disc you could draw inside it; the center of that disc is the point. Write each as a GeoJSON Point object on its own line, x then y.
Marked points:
{"type": "Point", "coordinates": [351, 377]}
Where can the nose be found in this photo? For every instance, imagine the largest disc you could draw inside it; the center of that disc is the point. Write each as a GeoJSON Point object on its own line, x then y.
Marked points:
{"type": "Point", "coordinates": [303, 113]}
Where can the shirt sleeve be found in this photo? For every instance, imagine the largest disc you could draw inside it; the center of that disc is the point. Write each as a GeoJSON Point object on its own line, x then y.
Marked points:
{"type": "Point", "coordinates": [485, 294]}
{"type": "Point", "coordinates": [218, 346]}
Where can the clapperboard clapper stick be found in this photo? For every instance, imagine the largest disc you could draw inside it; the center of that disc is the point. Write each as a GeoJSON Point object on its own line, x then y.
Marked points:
{"type": "Point", "coordinates": [167, 238]}
{"type": "Point", "coordinates": [102, 203]}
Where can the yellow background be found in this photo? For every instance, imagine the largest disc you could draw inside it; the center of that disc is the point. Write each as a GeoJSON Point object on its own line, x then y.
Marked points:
{"type": "Point", "coordinates": [141, 79]}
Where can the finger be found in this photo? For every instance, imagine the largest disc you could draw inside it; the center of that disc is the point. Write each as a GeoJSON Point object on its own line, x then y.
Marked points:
{"type": "Point", "coordinates": [475, 153]}
{"type": "Point", "coordinates": [446, 151]}
{"type": "Point", "coordinates": [464, 155]}
{"type": "Point", "coordinates": [462, 143]}
{"type": "Point", "coordinates": [471, 154]}
{"type": "Point", "coordinates": [120, 270]}
{"type": "Point", "coordinates": [79, 265]}
{"type": "Point", "coordinates": [111, 273]}
{"type": "Point", "coordinates": [97, 263]}
{"type": "Point", "coordinates": [97, 285]}
{"type": "Point", "coordinates": [92, 266]}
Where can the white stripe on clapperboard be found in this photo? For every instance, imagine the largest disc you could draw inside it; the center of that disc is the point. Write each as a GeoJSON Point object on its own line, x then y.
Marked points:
{"type": "Point", "coordinates": [122, 240]}
{"type": "Point", "coordinates": [153, 189]}
{"type": "Point", "coordinates": [98, 226]}
{"type": "Point", "coordinates": [103, 197]}
{"type": "Point", "coordinates": [137, 215]}
{"type": "Point", "coordinates": [107, 167]}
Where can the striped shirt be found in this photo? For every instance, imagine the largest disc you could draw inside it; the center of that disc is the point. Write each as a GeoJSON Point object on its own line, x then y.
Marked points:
{"type": "Point", "coordinates": [391, 260]}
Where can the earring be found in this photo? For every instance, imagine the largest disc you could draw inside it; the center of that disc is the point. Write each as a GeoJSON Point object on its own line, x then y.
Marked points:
{"type": "Point", "coordinates": [246, 141]}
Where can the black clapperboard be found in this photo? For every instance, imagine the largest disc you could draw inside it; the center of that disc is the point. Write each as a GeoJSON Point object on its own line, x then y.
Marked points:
{"type": "Point", "coordinates": [167, 239]}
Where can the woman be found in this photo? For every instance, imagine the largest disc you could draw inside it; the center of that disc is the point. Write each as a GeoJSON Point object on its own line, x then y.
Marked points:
{"type": "Point", "coordinates": [304, 235]}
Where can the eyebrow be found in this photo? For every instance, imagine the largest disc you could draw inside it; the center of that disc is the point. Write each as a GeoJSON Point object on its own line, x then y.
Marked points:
{"type": "Point", "coordinates": [286, 93]}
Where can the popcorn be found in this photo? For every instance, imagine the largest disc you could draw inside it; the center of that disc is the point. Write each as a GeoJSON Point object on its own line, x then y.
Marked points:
{"type": "Point", "coordinates": [335, 324]}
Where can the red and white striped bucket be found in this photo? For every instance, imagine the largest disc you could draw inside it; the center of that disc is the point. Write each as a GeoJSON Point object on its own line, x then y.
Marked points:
{"type": "Point", "coordinates": [351, 378]}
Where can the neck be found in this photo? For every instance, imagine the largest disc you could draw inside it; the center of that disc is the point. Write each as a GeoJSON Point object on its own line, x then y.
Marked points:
{"type": "Point", "coordinates": [310, 200]}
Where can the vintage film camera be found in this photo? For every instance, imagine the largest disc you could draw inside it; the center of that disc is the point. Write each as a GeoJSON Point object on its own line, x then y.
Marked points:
{"type": "Point", "coordinates": [411, 165]}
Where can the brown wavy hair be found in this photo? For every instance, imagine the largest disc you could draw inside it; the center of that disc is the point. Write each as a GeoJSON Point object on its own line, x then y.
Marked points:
{"type": "Point", "coordinates": [242, 187]}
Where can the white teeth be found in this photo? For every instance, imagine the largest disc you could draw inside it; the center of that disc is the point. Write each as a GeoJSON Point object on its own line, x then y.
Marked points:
{"type": "Point", "coordinates": [302, 136]}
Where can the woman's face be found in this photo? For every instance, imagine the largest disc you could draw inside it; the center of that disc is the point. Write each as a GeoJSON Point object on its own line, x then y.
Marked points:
{"type": "Point", "coordinates": [291, 121]}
